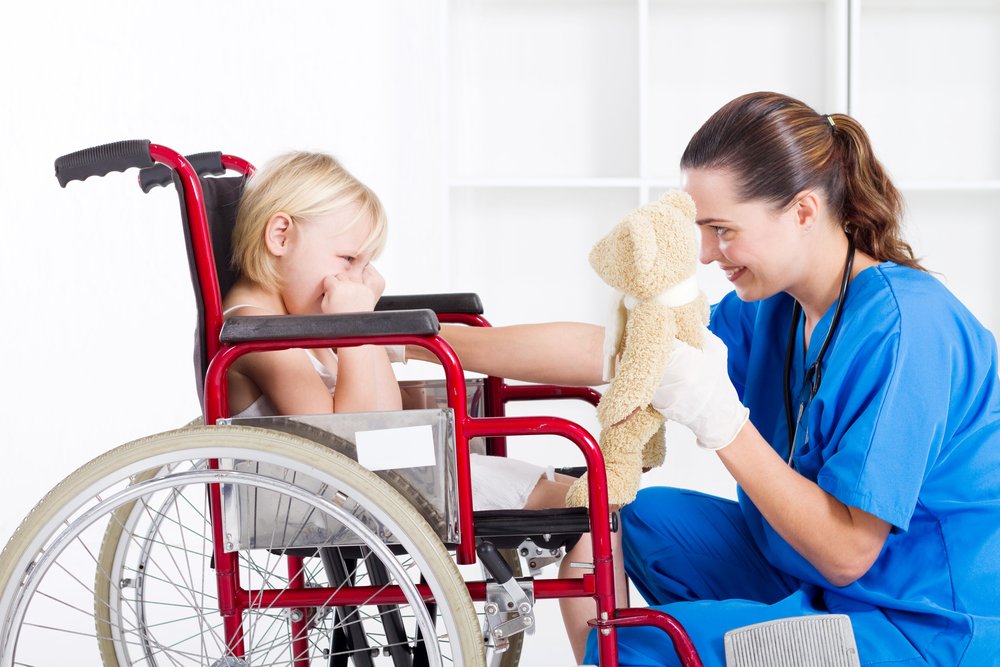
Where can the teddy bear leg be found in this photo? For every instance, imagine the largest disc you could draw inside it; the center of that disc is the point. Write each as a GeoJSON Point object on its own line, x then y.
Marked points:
{"type": "Point", "coordinates": [576, 496]}
{"type": "Point", "coordinates": [622, 446]}
{"type": "Point", "coordinates": [622, 464]}
{"type": "Point", "coordinates": [655, 450]}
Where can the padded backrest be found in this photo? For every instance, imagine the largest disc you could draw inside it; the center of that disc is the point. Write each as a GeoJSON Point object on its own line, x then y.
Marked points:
{"type": "Point", "coordinates": [222, 197]}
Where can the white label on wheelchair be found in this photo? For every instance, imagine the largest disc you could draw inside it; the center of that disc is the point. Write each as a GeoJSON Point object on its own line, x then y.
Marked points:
{"type": "Point", "coordinates": [406, 447]}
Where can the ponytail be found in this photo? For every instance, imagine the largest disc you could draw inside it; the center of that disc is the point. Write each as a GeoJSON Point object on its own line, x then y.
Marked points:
{"type": "Point", "coordinates": [872, 207]}
{"type": "Point", "coordinates": [776, 146]}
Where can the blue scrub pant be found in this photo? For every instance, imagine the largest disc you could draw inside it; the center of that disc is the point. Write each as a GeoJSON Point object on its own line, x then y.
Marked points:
{"type": "Point", "coordinates": [692, 556]}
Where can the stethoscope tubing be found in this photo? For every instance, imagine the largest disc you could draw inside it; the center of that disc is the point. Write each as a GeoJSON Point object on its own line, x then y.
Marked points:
{"type": "Point", "coordinates": [814, 374]}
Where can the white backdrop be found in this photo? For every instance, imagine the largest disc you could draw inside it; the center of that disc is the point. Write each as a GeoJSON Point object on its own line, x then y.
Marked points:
{"type": "Point", "coordinates": [97, 304]}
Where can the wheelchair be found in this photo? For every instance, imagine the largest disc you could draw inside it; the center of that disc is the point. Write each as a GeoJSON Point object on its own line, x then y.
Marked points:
{"type": "Point", "coordinates": [265, 542]}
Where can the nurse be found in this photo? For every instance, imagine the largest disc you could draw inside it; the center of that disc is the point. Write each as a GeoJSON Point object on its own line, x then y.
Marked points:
{"type": "Point", "coordinates": [858, 410]}
{"type": "Point", "coordinates": [869, 467]}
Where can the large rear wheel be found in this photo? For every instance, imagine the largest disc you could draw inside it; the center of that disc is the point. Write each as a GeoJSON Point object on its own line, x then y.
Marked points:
{"type": "Point", "coordinates": [155, 600]}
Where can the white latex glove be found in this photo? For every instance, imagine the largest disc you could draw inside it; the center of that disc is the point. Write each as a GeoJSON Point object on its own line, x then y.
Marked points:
{"type": "Point", "coordinates": [695, 391]}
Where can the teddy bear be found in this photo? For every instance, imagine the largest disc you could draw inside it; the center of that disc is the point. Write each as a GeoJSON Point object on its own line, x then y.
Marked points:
{"type": "Point", "coordinates": [649, 258]}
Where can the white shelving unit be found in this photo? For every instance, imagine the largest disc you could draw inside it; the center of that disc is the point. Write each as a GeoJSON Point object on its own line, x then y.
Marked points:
{"type": "Point", "coordinates": [564, 114]}
{"type": "Point", "coordinates": [932, 107]}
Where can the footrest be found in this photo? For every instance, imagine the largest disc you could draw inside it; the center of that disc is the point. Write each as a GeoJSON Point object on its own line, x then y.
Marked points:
{"type": "Point", "coordinates": [822, 639]}
{"type": "Point", "coordinates": [549, 529]}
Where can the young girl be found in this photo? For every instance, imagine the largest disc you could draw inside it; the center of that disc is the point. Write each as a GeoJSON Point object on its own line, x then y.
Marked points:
{"type": "Point", "coordinates": [305, 235]}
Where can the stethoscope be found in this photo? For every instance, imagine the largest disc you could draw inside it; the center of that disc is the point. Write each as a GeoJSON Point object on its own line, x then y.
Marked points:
{"type": "Point", "coordinates": [814, 374]}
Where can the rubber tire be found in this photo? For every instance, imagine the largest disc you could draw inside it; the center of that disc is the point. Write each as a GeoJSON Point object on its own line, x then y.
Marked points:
{"type": "Point", "coordinates": [113, 535]}
{"type": "Point", "coordinates": [153, 452]}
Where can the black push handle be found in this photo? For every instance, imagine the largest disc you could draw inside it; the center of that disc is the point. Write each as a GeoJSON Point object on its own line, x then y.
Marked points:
{"type": "Point", "coordinates": [494, 562]}
{"type": "Point", "coordinates": [206, 164]}
{"type": "Point", "coordinates": [100, 160]}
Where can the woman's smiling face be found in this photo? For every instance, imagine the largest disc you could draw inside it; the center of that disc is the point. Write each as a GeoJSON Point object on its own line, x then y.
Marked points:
{"type": "Point", "coordinates": [758, 246]}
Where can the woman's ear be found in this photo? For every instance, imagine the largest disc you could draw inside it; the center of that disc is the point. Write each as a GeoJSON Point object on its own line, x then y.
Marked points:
{"type": "Point", "coordinates": [277, 233]}
{"type": "Point", "coordinates": [806, 209]}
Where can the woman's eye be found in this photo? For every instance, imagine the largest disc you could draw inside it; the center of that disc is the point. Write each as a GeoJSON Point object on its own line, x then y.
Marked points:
{"type": "Point", "coordinates": [348, 258]}
{"type": "Point", "coordinates": [720, 232]}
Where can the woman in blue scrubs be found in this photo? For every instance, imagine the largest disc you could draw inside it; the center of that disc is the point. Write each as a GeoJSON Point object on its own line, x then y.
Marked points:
{"type": "Point", "coordinates": [873, 491]}
{"type": "Point", "coordinates": [858, 410]}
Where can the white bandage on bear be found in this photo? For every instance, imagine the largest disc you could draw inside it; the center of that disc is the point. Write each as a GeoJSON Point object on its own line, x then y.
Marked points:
{"type": "Point", "coordinates": [680, 294]}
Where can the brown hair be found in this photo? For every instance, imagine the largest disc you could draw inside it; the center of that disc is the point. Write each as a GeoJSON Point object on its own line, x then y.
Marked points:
{"type": "Point", "coordinates": [777, 146]}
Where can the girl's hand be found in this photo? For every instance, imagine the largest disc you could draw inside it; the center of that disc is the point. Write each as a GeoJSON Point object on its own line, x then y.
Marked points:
{"type": "Point", "coordinates": [373, 280]}
{"type": "Point", "coordinates": [347, 292]}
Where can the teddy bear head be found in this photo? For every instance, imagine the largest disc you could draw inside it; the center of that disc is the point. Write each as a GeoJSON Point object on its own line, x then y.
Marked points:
{"type": "Point", "coordinates": [652, 249]}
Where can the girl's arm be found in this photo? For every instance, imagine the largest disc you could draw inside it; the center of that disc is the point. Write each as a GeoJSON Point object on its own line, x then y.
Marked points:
{"type": "Point", "coordinates": [288, 379]}
{"type": "Point", "coordinates": [365, 381]}
{"type": "Point", "coordinates": [840, 541]}
{"type": "Point", "coordinates": [566, 353]}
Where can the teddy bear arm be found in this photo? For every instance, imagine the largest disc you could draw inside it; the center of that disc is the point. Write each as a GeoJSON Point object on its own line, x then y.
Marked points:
{"type": "Point", "coordinates": [691, 320]}
{"type": "Point", "coordinates": [648, 340]}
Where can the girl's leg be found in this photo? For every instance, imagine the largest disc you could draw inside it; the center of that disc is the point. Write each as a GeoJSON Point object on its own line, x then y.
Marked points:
{"type": "Point", "coordinates": [577, 611]}
{"type": "Point", "coordinates": [549, 493]}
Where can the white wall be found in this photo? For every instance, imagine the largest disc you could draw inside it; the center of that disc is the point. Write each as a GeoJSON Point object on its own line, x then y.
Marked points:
{"type": "Point", "coordinates": [98, 310]}
{"type": "Point", "coordinates": [96, 300]}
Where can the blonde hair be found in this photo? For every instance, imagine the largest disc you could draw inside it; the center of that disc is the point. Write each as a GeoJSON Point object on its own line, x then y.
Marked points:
{"type": "Point", "coordinates": [305, 186]}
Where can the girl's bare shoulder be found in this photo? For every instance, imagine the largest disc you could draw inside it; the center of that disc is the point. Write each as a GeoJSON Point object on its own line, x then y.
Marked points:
{"type": "Point", "coordinates": [245, 298]}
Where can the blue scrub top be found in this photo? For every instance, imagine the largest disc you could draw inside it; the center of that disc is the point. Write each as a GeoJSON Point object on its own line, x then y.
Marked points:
{"type": "Point", "coordinates": [905, 426]}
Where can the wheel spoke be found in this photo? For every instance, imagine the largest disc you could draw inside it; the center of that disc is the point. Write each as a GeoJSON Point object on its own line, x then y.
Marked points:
{"type": "Point", "coordinates": [137, 548]}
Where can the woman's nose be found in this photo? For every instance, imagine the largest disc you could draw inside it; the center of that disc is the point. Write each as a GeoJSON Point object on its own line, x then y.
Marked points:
{"type": "Point", "coordinates": [709, 250]}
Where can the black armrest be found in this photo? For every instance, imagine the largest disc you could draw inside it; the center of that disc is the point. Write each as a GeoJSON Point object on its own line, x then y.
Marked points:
{"type": "Point", "coordinates": [462, 303]}
{"type": "Point", "coordinates": [246, 328]}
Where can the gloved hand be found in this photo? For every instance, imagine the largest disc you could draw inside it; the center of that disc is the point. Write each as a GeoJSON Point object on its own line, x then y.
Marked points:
{"type": "Point", "coordinates": [695, 391]}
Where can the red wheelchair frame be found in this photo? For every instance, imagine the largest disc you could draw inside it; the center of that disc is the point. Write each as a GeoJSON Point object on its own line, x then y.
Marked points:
{"type": "Point", "coordinates": [234, 599]}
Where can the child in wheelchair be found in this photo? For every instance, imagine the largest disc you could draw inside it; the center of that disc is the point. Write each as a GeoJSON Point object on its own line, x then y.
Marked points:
{"type": "Point", "coordinates": [305, 236]}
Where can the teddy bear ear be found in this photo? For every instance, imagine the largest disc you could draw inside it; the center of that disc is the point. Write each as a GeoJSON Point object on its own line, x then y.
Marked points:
{"type": "Point", "coordinates": [627, 251]}
{"type": "Point", "coordinates": [642, 237]}
{"type": "Point", "coordinates": [681, 201]}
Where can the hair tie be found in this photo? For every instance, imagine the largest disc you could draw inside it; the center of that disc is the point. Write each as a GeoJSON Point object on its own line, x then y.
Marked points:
{"type": "Point", "coordinates": [829, 119]}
